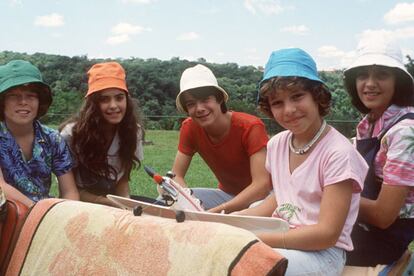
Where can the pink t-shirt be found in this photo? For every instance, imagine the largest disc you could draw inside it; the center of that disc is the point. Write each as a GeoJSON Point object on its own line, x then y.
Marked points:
{"type": "Point", "coordinates": [299, 194]}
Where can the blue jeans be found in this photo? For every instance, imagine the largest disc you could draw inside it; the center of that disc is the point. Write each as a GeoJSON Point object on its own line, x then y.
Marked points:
{"type": "Point", "coordinates": [327, 262]}
{"type": "Point", "coordinates": [211, 198]}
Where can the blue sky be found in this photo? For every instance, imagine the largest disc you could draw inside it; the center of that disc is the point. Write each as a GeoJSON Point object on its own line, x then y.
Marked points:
{"type": "Point", "coordinates": [240, 31]}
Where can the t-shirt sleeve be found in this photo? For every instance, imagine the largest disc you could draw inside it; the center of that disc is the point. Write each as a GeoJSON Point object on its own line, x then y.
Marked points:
{"type": "Point", "coordinates": [343, 164]}
{"type": "Point", "coordinates": [62, 161]}
{"type": "Point", "coordinates": [255, 138]}
{"type": "Point", "coordinates": [399, 161]}
{"type": "Point", "coordinates": [185, 144]}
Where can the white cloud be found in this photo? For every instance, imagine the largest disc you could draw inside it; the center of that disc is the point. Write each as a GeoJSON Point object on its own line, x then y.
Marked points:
{"type": "Point", "coordinates": [368, 34]}
{"type": "Point", "coordinates": [402, 12]}
{"type": "Point", "coordinates": [252, 55]}
{"type": "Point", "coordinates": [122, 33]}
{"type": "Point", "coordinates": [143, 2]}
{"type": "Point", "coordinates": [347, 58]}
{"type": "Point", "coordinates": [267, 7]}
{"type": "Point", "coordinates": [51, 20]}
{"type": "Point", "coordinates": [188, 36]}
{"type": "Point", "coordinates": [126, 28]}
{"type": "Point", "coordinates": [397, 34]}
{"type": "Point", "coordinates": [329, 51]}
{"type": "Point", "coordinates": [332, 58]}
{"type": "Point", "coordinates": [404, 33]}
{"type": "Point", "coordinates": [118, 39]}
{"type": "Point", "coordinates": [298, 29]}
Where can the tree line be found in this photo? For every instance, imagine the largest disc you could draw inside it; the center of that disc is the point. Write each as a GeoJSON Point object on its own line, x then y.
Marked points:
{"type": "Point", "coordinates": [155, 84]}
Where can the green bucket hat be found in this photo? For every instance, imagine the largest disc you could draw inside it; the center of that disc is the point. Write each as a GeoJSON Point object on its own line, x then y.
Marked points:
{"type": "Point", "coordinates": [21, 72]}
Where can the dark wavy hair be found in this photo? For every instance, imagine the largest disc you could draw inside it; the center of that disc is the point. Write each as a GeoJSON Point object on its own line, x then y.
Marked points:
{"type": "Point", "coordinates": [88, 141]}
{"type": "Point", "coordinates": [403, 93]}
{"type": "Point", "coordinates": [318, 90]}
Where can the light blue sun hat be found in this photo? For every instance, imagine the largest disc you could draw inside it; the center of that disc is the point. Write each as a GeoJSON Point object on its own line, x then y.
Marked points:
{"type": "Point", "coordinates": [290, 62]}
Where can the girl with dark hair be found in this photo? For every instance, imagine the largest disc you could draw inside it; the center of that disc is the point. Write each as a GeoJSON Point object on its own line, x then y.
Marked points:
{"type": "Point", "coordinates": [105, 138]}
{"type": "Point", "coordinates": [381, 87]}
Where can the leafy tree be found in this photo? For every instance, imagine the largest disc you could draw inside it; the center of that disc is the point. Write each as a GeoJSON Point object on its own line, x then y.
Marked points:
{"type": "Point", "coordinates": [155, 84]}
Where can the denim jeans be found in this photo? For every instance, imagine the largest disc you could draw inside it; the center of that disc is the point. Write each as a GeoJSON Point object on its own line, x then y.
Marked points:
{"type": "Point", "coordinates": [327, 262]}
{"type": "Point", "coordinates": [211, 198]}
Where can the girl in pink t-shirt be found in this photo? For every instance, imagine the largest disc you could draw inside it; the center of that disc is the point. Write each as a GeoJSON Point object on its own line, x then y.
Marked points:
{"type": "Point", "coordinates": [316, 172]}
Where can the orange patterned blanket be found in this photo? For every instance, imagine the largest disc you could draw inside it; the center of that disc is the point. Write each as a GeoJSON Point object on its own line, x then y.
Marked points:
{"type": "Point", "coordinates": [75, 238]}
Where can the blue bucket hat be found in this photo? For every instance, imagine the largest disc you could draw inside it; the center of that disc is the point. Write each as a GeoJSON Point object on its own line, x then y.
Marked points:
{"type": "Point", "coordinates": [290, 62]}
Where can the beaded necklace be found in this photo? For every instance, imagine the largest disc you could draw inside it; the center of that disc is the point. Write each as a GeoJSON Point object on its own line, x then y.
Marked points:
{"type": "Point", "coordinates": [307, 147]}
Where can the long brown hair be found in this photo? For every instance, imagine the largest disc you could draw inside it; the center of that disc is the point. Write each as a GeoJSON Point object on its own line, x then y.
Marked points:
{"type": "Point", "coordinates": [88, 142]}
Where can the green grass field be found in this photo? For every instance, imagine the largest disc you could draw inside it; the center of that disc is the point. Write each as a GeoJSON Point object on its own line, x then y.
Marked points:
{"type": "Point", "coordinates": [160, 156]}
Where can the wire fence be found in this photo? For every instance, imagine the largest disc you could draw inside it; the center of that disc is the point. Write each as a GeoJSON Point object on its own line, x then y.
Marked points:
{"type": "Point", "coordinates": [173, 122]}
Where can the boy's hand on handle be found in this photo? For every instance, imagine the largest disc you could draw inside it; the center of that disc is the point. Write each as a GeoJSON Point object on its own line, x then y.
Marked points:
{"type": "Point", "coordinates": [219, 209]}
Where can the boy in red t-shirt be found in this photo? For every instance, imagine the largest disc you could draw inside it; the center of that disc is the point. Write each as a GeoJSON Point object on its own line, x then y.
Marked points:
{"type": "Point", "coordinates": [233, 144]}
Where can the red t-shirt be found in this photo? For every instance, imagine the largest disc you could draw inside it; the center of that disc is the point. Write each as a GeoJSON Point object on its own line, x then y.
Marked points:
{"type": "Point", "coordinates": [230, 158]}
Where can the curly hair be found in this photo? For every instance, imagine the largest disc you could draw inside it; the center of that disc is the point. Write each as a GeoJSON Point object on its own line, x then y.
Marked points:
{"type": "Point", "coordinates": [403, 90]}
{"type": "Point", "coordinates": [88, 142]}
{"type": "Point", "coordinates": [318, 90]}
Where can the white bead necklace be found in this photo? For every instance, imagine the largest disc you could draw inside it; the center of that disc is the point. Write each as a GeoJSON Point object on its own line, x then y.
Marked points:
{"type": "Point", "coordinates": [307, 147]}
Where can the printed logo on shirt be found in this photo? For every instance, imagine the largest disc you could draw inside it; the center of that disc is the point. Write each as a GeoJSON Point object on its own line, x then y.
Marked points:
{"type": "Point", "coordinates": [287, 211]}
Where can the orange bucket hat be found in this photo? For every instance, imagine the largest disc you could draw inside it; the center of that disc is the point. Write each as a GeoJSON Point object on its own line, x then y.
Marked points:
{"type": "Point", "coordinates": [106, 75]}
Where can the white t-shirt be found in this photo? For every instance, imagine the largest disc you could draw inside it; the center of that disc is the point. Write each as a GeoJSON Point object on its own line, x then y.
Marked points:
{"type": "Point", "coordinates": [299, 194]}
{"type": "Point", "coordinates": [113, 157]}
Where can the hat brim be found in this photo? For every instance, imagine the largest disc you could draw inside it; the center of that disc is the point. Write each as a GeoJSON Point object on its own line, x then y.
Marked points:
{"type": "Point", "coordinates": [288, 70]}
{"type": "Point", "coordinates": [376, 59]}
{"type": "Point", "coordinates": [178, 101]}
{"type": "Point", "coordinates": [21, 80]}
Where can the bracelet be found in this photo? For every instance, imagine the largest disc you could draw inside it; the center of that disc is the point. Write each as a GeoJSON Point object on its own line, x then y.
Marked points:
{"type": "Point", "coordinates": [283, 240]}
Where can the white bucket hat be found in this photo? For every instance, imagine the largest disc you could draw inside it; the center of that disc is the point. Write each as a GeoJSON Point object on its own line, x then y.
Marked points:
{"type": "Point", "coordinates": [197, 77]}
{"type": "Point", "coordinates": [379, 50]}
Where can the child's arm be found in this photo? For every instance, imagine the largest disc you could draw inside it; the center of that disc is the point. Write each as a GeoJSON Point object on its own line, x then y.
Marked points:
{"type": "Point", "coordinates": [12, 193]}
{"type": "Point", "coordinates": [264, 209]}
{"type": "Point", "coordinates": [181, 164]}
{"type": "Point", "coordinates": [122, 187]}
{"type": "Point", "coordinates": [67, 186]}
{"type": "Point", "coordinates": [383, 211]}
{"type": "Point", "coordinates": [335, 205]}
{"type": "Point", "coordinates": [257, 190]}
{"type": "Point", "coordinates": [98, 199]}
{"type": "Point", "coordinates": [15, 194]}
